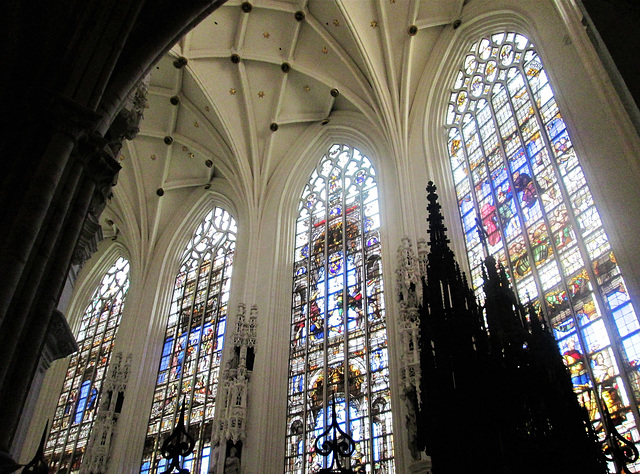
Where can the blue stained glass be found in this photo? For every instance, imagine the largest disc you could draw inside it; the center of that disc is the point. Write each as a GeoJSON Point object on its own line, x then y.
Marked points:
{"type": "Point", "coordinates": [484, 189]}
{"type": "Point", "coordinates": [561, 144]}
{"type": "Point", "coordinates": [82, 401]}
{"type": "Point", "coordinates": [518, 161]}
{"type": "Point", "coordinates": [561, 329]}
{"type": "Point", "coordinates": [543, 254]}
{"type": "Point", "coordinates": [338, 301]}
{"type": "Point", "coordinates": [617, 297]}
{"type": "Point", "coordinates": [469, 221]}
{"type": "Point", "coordinates": [632, 349]}
{"type": "Point", "coordinates": [190, 360]}
{"type": "Point", "coordinates": [595, 335]}
{"type": "Point", "coordinates": [73, 420]}
{"type": "Point", "coordinates": [378, 360]}
{"type": "Point", "coordinates": [466, 205]}
{"type": "Point", "coordinates": [204, 463]}
{"type": "Point", "coordinates": [555, 127]}
{"type": "Point", "coordinates": [298, 383]}
{"type": "Point", "coordinates": [535, 144]}
{"type": "Point", "coordinates": [166, 350]}
{"type": "Point", "coordinates": [500, 176]}
{"type": "Point", "coordinates": [626, 320]}
{"type": "Point", "coordinates": [472, 237]}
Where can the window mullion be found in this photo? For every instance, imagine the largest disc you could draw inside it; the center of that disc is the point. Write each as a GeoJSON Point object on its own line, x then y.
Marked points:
{"type": "Point", "coordinates": [606, 315]}
{"type": "Point", "coordinates": [345, 298]}
{"type": "Point", "coordinates": [325, 315]}
{"type": "Point", "coordinates": [365, 316]}
{"type": "Point", "coordinates": [524, 231]}
{"type": "Point", "coordinates": [306, 371]}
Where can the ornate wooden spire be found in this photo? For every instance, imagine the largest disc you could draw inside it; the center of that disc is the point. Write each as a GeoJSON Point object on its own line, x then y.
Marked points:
{"type": "Point", "coordinates": [437, 230]}
{"type": "Point", "coordinates": [492, 393]}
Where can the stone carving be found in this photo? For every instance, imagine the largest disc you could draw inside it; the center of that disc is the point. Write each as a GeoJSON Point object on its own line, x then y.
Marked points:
{"type": "Point", "coordinates": [232, 401]}
{"type": "Point", "coordinates": [409, 292]}
{"type": "Point", "coordinates": [126, 124]}
{"type": "Point", "coordinates": [99, 154]}
{"type": "Point", "coordinates": [111, 400]}
{"type": "Point", "coordinates": [59, 342]}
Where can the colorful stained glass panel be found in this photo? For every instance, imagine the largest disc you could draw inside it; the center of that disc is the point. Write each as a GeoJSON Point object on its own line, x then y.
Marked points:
{"type": "Point", "coordinates": [193, 343]}
{"type": "Point", "coordinates": [81, 388]}
{"type": "Point", "coordinates": [338, 335]}
{"type": "Point", "coordinates": [536, 207]}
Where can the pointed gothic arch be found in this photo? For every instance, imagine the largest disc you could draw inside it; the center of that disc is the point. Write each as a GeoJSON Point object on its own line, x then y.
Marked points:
{"type": "Point", "coordinates": [523, 198]}
{"type": "Point", "coordinates": [95, 332]}
{"type": "Point", "coordinates": [193, 342]}
{"type": "Point", "coordinates": [338, 343]}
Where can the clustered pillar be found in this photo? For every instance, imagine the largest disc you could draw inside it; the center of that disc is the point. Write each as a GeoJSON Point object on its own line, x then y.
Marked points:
{"type": "Point", "coordinates": [70, 68]}
{"type": "Point", "coordinates": [38, 252]}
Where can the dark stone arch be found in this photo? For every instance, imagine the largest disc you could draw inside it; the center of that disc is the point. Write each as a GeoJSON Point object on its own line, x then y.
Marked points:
{"type": "Point", "coordinates": [70, 66]}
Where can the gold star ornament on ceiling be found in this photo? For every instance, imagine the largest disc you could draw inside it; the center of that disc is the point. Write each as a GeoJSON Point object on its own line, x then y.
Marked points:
{"type": "Point", "coordinates": [266, 34]}
{"type": "Point", "coordinates": [336, 22]}
{"type": "Point", "coordinates": [325, 50]}
{"type": "Point", "coordinates": [307, 88]}
{"type": "Point", "coordinates": [261, 94]}
{"type": "Point", "coordinates": [232, 91]}
{"type": "Point", "coordinates": [374, 23]}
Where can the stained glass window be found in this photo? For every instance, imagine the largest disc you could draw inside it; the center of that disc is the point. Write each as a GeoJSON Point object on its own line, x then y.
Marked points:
{"type": "Point", "coordinates": [87, 370]}
{"type": "Point", "coordinates": [338, 328]}
{"type": "Point", "coordinates": [193, 341]}
{"type": "Point", "coordinates": [517, 173]}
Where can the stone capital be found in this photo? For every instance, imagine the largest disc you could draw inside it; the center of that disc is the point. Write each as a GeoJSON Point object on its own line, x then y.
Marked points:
{"type": "Point", "coordinates": [102, 169]}
{"type": "Point", "coordinates": [422, 466]}
{"type": "Point", "coordinates": [59, 342]}
{"type": "Point", "coordinates": [71, 118]}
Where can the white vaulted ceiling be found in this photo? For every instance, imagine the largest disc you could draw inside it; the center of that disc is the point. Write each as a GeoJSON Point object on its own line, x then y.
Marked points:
{"type": "Point", "coordinates": [360, 48]}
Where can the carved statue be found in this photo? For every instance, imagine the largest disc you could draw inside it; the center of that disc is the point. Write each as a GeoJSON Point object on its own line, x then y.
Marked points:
{"type": "Point", "coordinates": [232, 463]}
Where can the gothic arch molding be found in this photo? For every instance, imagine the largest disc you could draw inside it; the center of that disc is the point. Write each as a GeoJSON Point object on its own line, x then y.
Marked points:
{"type": "Point", "coordinates": [569, 59]}
{"type": "Point", "coordinates": [89, 279]}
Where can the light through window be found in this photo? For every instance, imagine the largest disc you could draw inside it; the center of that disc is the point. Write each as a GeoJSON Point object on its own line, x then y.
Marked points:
{"type": "Point", "coordinates": [87, 370]}
{"type": "Point", "coordinates": [338, 329]}
{"type": "Point", "coordinates": [516, 172]}
{"type": "Point", "coordinates": [193, 342]}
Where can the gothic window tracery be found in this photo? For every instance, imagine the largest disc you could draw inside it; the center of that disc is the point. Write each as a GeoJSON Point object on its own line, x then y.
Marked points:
{"type": "Point", "coordinates": [193, 342]}
{"type": "Point", "coordinates": [81, 389]}
{"type": "Point", "coordinates": [518, 176]}
{"type": "Point", "coordinates": [338, 329]}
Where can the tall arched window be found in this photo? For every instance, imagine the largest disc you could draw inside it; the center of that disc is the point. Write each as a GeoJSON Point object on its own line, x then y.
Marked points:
{"type": "Point", "coordinates": [517, 173]}
{"type": "Point", "coordinates": [338, 325]}
{"type": "Point", "coordinates": [190, 361]}
{"type": "Point", "coordinates": [82, 386]}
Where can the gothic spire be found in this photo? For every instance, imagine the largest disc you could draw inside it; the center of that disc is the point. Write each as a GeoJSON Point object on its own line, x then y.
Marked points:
{"type": "Point", "coordinates": [437, 229]}
{"type": "Point", "coordinates": [485, 368]}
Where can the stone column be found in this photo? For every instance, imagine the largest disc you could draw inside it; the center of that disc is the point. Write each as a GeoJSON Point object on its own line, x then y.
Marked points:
{"type": "Point", "coordinates": [97, 171]}
{"type": "Point", "coordinates": [68, 121]}
{"type": "Point", "coordinates": [421, 467]}
{"type": "Point", "coordinates": [59, 344]}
